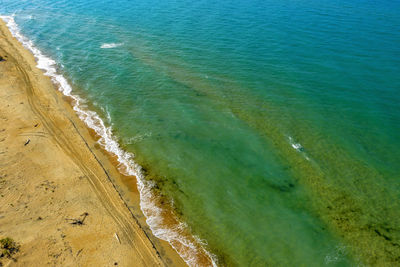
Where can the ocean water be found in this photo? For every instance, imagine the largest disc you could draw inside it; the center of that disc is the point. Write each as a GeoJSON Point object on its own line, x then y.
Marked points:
{"type": "Point", "coordinates": [271, 127]}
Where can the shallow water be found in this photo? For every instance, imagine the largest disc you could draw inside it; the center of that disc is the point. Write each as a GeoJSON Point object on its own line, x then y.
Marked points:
{"type": "Point", "coordinates": [272, 127]}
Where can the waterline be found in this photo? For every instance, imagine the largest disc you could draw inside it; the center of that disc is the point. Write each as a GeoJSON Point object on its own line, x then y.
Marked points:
{"type": "Point", "coordinates": [189, 248]}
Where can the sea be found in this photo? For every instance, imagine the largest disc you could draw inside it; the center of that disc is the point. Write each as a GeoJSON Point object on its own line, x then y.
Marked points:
{"type": "Point", "coordinates": [270, 128]}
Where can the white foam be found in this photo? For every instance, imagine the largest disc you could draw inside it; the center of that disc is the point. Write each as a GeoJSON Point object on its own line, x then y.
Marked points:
{"type": "Point", "coordinates": [295, 145]}
{"type": "Point", "coordinates": [185, 247]}
{"type": "Point", "coordinates": [110, 45]}
{"type": "Point", "coordinates": [298, 147]}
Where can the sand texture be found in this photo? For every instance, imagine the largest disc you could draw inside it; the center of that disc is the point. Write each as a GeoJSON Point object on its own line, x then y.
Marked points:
{"type": "Point", "coordinates": [51, 174]}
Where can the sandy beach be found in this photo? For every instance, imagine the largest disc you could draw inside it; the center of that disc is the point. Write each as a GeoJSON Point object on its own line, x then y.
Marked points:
{"type": "Point", "coordinates": [60, 198]}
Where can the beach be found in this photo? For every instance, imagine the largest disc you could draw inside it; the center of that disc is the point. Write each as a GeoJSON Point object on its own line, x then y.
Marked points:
{"type": "Point", "coordinates": [60, 200]}
{"type": "Point", "coordinates": [200, 132]}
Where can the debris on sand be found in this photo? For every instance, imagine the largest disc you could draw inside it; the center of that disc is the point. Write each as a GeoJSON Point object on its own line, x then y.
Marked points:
{"type": "Point", "coordinates": [79, 221]}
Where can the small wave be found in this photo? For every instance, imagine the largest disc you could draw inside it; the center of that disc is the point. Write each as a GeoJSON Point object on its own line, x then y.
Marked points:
{"type": "Point", "coordinates": [137, 138]}
{"type": "Point", "coordinates": [295, 145]}
{"type": "Point", "coordinates": [298, 147]}
{"type": "Point", "coordinates": [186, 248]}
{"type": "Point", "coordinates": [110, 45]}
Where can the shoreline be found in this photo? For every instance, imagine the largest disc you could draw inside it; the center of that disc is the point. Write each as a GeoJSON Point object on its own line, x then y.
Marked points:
{"type": "Point", "coordinates": [62, 149]}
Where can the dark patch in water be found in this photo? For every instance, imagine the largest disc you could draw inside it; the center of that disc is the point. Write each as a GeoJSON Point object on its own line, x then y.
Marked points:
{"type": "Point", "coordinates": [284, 186]}
{"type": "Point", "coordinates": [382, 235]}
{"type": "Point", "coordinates": [201, 94]}
{"type": "Point", "coordinates": [177, 188]}
{"type": "Point", "coordinates": [178, 136]}
{"type": "Point", "coordinates": [144, 171]}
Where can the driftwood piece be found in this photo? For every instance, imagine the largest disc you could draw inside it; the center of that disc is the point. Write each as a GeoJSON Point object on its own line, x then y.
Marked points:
{"type": "Point", "coordinates": [117, 237]}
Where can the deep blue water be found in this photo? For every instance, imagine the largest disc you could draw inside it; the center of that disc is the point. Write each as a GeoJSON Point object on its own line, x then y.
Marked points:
{"type": "Point", "coordinates": [272, 126]}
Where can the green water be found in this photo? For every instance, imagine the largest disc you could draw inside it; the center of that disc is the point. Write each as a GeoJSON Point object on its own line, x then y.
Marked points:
{"type": "Point", "coordinates": [272, 127]}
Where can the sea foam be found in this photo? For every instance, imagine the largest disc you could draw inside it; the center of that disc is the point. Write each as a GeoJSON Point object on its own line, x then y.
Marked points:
{"type": "Point", "coordinates": [186, 248]}
{"type": "Point", "coordinates": [110, 45]}
{"type": "Point", "coordinates": [298, 147]}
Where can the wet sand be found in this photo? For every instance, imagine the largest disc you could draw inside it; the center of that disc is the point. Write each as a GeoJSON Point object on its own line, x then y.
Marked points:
{"type": "Point", "coordinates": [52, 173]}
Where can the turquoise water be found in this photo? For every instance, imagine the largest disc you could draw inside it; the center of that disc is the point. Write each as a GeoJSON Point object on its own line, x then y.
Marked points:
{"type": "Point", "coordinates": [272, 126]}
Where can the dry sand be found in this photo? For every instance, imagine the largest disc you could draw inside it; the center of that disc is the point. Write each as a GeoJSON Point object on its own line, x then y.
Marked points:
{"type": "Point", "coordinates": [61, 174]}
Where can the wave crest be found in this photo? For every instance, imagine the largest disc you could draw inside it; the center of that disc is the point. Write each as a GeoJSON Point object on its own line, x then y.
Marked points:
{"type": "Point", "coordinates": [110, 45]}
